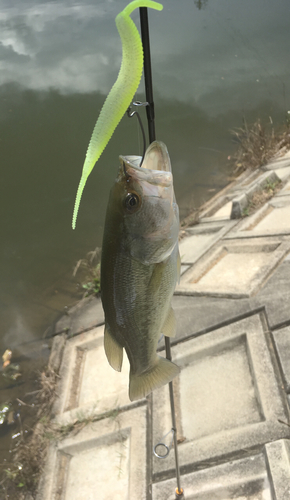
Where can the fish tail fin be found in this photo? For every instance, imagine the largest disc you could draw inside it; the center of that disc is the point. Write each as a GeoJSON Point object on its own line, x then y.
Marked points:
{"type": "Point", "coordinates": [162, 373]}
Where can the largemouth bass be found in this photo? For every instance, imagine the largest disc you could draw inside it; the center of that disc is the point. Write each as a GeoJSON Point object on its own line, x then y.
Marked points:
{"type": "Point", "coordinates": [140, 267]}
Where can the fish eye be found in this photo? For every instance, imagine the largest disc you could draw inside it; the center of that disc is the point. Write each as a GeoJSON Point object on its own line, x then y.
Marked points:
{"type": "Point", "coordinates": [132, 202]}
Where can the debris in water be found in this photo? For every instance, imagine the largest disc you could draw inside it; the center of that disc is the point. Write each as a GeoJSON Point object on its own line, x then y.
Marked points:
{"type": "Point", "coordinates": [15, 436]}
{"type": "Point", "coordinates": [4, 410]}
{"type": "Point", "coordinates": [6, 357]}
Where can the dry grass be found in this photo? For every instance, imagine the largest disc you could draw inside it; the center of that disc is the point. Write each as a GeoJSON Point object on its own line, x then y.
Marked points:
{"type": "Point", "coordinates": [258, 144]}
{"type": "Point", "coordinates": [28, 455]}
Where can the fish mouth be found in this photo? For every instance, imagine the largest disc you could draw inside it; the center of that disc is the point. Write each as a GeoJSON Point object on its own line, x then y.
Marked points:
{"type": "Point", "coordinates": [156, 158]}
{"type": "Point", "coordinates": [156, 166]}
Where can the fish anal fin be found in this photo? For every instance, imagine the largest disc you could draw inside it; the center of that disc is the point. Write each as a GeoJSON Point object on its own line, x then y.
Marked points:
{"type": "Point", "coordinates": [113, 350]}
{"type": "Point", "coordinates": [169, 327]}
{"type": "Point", "coordinates": [160, 374]}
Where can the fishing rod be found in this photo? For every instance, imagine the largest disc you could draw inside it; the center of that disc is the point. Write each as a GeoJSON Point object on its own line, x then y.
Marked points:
{"type": "Point", "coordinates": [179, 494]}
{"type": "Point", "coordinates": [147, 72]}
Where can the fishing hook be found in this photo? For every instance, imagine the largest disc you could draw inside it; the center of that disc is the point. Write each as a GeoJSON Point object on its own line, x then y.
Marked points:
{"type": "Point", "coordinates": [132, 113]}
{"type": "Point", "coordinates": [161, 443]}
{"type": "Point", "coordinates": [128, 177]}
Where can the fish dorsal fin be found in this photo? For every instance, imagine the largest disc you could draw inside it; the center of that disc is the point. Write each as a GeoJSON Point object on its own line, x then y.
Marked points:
{"type": "Point", "coordinates": [113, 350]}
{"type": "Point", "coordinates": [169, 327]}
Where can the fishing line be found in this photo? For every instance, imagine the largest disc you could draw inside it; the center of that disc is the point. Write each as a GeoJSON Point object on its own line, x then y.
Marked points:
{"type": "Point", "coordinates": [179, 494]}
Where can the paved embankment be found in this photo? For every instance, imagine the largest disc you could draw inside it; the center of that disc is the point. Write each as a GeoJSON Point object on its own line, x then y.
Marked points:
{"type": "Point", "coordinates": [232, 396]}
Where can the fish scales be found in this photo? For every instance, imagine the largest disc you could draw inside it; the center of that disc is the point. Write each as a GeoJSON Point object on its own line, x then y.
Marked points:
{"type": "Point", "coordinates": [140, 267]}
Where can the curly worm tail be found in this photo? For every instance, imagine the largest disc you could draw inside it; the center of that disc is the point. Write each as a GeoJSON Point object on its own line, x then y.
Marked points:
{"type": "Point", "coordinates": [120, 95]}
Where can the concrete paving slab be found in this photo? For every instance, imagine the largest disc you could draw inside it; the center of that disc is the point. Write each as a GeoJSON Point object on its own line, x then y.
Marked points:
{"type": "Point", "coordinates": [224, 212]}
{"type": "Point", "coordinates": [262, 181]}
{"type": "Point", "coordinates": [89, 385]}
{"type": "Point", "coordinates": [227, 194]}
{"type": "Point", "coordinates": [237, 193]}
{"type": "Point", "coordinates": [239, 204]}
{"type": "Point", "coordinates": [275, 296]}
{"type": "Point", "coordinates": [229, 395]}
{"type": "Point", "coordinates": [217, 202]}
{"type": "Point", "coordinates": [106, 460]}
{"type": "Point", "coordinates": [273, 218]}
{"type": "Point", "coordinates": [282, 342]}
{"type": "Point", "coordinates": [278, 163]}
{"type": "Point", "coordinates": [87, 314]}
{"type": "Point", "coordinates": [244, 479]}
{"type": "Point", "coordinates": [278, 457]}
{"type": "Point", "coordinates": [197, 314]}
{"type": "Point", "coordinates": [238, 196]}
{"type": "Point", "coordinates": [184, 268]}
{"type": "Point", "coordinates": [250, 178]}
{"type": "Point", "coordinates": [282, 154]}
{"type": "Point", "coordinates": [283, 173]}
{"type": "Point", "coordinates": [243, 200]}
{"type": "Point", "coordinates": [286, 189]}
{"type": "Point", "coordinates": [201, 238]}
{"type": "Point", "coordinates": [234, 268]}
{"type": "Point", "coordinates": [257, 180]}
{"type": "Point", "coordinates": [264, 476]}
{"type": "Point", "coordinates": [56, 353]}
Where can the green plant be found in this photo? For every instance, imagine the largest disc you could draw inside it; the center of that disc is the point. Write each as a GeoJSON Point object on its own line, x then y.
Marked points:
{"type": "Point", "coordinates": [89, 269]}
{"type": "Point", "coordinates": [11, 474]}
{"type": "Point", "coordinates": [93, 287]}
{"type": "Point", "coordinates": [271, 186]}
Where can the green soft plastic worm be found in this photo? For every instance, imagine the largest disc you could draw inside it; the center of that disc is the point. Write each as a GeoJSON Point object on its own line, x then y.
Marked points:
{"type": "Point", "coordinates": [120, 95]}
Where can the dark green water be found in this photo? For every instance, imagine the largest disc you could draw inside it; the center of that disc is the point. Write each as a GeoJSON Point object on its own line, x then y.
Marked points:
{"type": "Point", "coordinates": [214, 62]}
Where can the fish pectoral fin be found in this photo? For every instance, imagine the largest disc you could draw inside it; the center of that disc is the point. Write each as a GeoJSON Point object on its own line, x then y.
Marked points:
{"type": "Point", "coordinates": [169, 327]}
{"type": "Point", "coordinates": [162, 373]}
{"type": "Point", "coordinates": [113, 350]}
{"type": "Point", "coordinates": [156, 277]}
